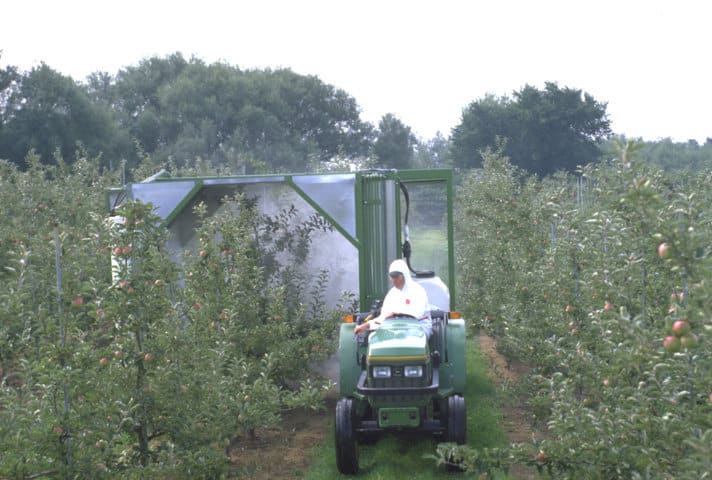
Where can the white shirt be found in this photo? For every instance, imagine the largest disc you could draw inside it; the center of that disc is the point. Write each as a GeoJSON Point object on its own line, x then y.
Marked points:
{"type": "Point", "coordinates": [410, 300]}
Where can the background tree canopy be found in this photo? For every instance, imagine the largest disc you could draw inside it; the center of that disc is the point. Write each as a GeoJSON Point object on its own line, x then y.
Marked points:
{"type": "Point", "coordinates": [394, 147]}
{"type": "Point", "coordinates": [544, 130]}
{"type": "Point", "coordinates": [49, 113]}
{"type": "Point", "coordinates": [178, 110]}
{"type": "Point", "coordinates": [185, 114]}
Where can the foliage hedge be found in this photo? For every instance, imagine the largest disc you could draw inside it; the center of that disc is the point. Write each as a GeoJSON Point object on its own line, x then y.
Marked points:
{"type": "Point", "coordinates": [154, 371]}
{"type": "Point", "coordinates": [565, 273]}
{"type": "Point", "coordinates": [142, 369]}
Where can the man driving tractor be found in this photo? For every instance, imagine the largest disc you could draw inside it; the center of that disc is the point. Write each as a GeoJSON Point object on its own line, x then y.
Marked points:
{"type": "Point", "coordinates": [405, 298]}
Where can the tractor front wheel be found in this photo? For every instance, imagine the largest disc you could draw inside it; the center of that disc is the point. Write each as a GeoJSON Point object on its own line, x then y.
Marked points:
{"type": "Point", "coordinates": [346, 443]}
{"type": "Point", "coordinates": [456, 419]}
{"type": "Point", "coordinates": [456, 428]}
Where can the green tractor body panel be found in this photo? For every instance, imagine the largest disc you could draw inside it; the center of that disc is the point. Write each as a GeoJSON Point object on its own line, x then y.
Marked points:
{"type": "Point", "coordinates": [399, 417]}
{"type": "Point", "coordinates": [453, 368]}
{"type": "Point", "coordinates": [399, 350]}
{"type": "Point", "coordinates": [398, 342]}
{"type": "Point", "coordinates": [349, 369]}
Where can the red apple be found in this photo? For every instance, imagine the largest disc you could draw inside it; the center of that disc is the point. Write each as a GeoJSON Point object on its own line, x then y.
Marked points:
{"type": "Point", "coordinates": [606, 382]}
{"type": "Point", "coordinates": [202, 253]}
{"type": "Point", "coordinates": [117, 251]}
{"type": "Point", "coordinates": [126, 250]}
{"type": "Point", "coordinates": [118, 353]}
{"type": "Point", "coordinates": [541, 457]}
{"type": "Point", "coordinates": [148, 357]}
{"type": "Point", "coordinates": [77, 301]}
{"type": "Point", "coordinates": [608, 307]}
{"type": "Point", "coordinates": [197, 306]}
{"type": "Point", "coordinates": [57, 429]}
{"type": "Point", "coordinates": [680, 328]}
{"type": "Point", "coordinates": [671, 344]}
{"type": "Point", "coordinates": [664, 250]}
{"type": "Point", "coordinates": [569, 309]}
{"type": "Point", "coordinates": [103, 361]}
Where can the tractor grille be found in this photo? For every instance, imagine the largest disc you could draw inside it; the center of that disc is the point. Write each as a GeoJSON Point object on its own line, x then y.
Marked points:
{"type": "Point", "coordinates": [397, 380]}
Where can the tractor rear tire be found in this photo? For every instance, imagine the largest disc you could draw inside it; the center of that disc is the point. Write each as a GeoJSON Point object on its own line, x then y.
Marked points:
{"type": "Point", "coordinates": [346, 442]}
{"type": "Point", "coordinates": [456, 427]}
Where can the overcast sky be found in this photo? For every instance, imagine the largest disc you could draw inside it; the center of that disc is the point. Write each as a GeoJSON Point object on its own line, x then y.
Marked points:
{"type": "Point", "coordinates": [423, 61]}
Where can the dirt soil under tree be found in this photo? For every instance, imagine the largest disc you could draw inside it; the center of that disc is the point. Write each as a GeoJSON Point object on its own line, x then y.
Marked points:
{"type": "Point", "coordinates": [285, 452]}
{"type": "Point", "coordinates": [515, 418]}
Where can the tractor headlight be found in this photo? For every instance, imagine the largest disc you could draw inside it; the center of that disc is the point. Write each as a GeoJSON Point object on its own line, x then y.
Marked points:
{"type": "Point", "coordinates": [381, 372]}
{"type": "Point", "coordinates": [413, 371]}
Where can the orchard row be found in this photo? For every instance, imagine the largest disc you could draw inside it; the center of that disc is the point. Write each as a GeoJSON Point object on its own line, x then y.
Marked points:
{"type": "Point", "coordinates": [602, 283]}
{"type": "Point", "coordinates": [143, 369]}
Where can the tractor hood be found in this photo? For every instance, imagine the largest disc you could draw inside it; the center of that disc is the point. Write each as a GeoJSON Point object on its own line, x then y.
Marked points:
{"type": "Point", "coordinates": [398, 341]}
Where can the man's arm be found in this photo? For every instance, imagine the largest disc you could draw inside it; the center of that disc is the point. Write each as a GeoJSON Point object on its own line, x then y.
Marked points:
{"type": "Point", "coordinates": [385, 313]}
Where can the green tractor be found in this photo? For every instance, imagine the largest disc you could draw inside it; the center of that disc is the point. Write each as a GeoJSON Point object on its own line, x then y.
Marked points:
{"type": "Point", "coordinates": [397, 377]}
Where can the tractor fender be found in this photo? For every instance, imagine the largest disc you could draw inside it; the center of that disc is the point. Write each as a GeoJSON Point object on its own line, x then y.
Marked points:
{"type": "Point", "coordinates": [453, 369]}
{"type": "Point", "coordinates": [349, 369]}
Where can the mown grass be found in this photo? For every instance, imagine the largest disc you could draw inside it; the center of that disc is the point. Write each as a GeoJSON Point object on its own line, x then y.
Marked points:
{"type": "Point", "coordinates": [403, 456]}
